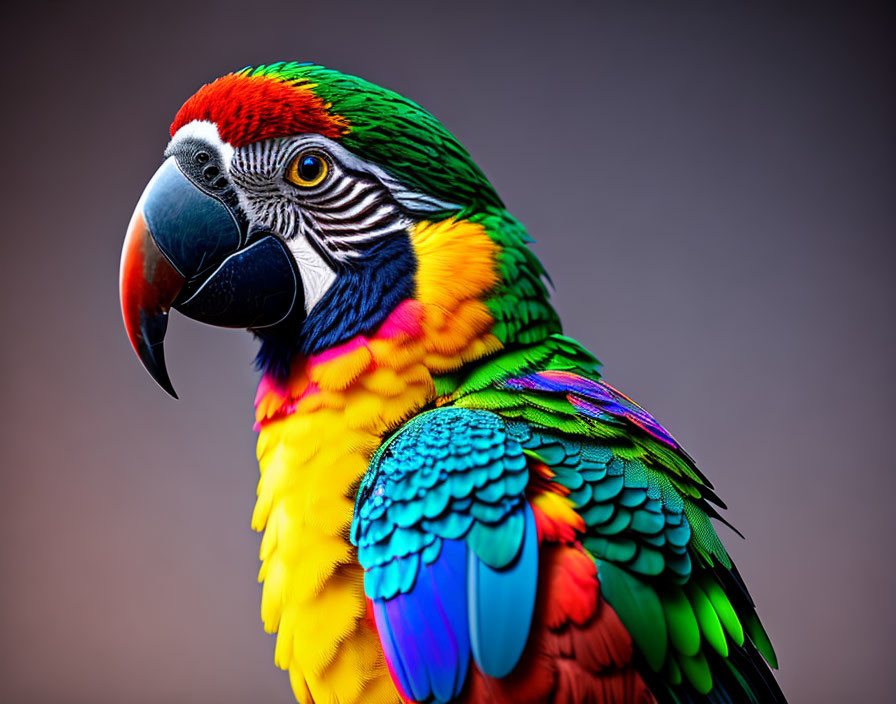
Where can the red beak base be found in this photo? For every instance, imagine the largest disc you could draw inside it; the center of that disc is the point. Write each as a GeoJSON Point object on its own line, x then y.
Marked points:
{"type": "Point", "coordinates": [148, 286]}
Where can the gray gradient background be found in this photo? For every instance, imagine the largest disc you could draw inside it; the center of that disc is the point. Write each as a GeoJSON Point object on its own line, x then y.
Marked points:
{"type": "Point", "coordinates": [712, 189]}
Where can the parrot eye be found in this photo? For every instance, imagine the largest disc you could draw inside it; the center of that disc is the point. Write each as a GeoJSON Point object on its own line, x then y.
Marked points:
{"type": "Point", "coordinates": [307, 170]}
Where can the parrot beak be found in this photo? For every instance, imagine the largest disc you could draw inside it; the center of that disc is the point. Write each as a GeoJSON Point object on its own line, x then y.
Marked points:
{"type": "Point", "coordinates": [189, 248]}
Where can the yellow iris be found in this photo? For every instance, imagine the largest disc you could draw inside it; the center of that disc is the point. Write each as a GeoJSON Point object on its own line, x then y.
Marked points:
{"type": "Point", "coordinates": [307, 170]}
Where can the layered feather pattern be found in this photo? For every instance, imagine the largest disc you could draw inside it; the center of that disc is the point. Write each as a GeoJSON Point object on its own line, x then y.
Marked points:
{"type": "Point", "coordinates": [641, 513]}
{"type": "Point", "coordinates": [527, 532]}
{"type": "Point", "coordinates": [449, 548]}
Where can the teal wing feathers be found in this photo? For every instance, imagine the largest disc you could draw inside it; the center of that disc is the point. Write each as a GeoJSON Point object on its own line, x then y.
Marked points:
{"type": "Point", "coordinates": [449, 547]}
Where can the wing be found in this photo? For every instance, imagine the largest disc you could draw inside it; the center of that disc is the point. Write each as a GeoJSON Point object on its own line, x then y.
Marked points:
{"type": "Point", "coordinates": [646, 512]}
{"type": "Point", "coordinates": [449, 549]}
{"type": "Point", "coordinates": [479, 595]}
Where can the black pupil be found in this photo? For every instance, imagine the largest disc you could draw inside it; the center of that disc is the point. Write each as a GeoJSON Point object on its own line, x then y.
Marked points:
{"type": "Point", "coordinates": [310, 168]}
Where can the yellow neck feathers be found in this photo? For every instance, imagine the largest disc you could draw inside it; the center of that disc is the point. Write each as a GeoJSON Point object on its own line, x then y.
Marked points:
{"type": "Point", "coordinates": [317, 435]}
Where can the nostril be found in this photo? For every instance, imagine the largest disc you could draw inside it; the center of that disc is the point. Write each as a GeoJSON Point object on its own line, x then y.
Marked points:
{"type": "Point", "coordinates": [220, 183]}
{"type": "Point", "coordinates": [202, 157]}
{"type": "Point", "coordinates": [210, 172]}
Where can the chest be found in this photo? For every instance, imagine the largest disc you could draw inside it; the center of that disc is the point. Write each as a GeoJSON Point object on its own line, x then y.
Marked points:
{"type": "Point", "coordinates": [316, 437]}
{"type": "Point", "coordinates": [317, 433]}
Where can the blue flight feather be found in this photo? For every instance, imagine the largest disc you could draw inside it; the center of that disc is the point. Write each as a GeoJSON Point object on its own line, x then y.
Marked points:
{"type": "Point", "coordinates": [501, 603]}
{"type": "Point", "coordinates": [424, 631]}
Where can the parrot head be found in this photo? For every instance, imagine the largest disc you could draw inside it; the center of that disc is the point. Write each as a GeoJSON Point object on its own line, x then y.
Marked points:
{"type": "Point", "coordinates": [284, 205]}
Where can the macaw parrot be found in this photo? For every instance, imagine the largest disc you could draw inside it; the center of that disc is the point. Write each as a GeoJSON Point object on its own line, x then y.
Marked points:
{"type": "Point", "coordinates": [455, 506]}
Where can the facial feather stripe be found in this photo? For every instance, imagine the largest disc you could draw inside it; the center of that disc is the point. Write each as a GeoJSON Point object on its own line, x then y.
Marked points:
{"type": "Point", "coordinates": [351, 211]}
{"type": "Point", "coordinates": [356, 205]}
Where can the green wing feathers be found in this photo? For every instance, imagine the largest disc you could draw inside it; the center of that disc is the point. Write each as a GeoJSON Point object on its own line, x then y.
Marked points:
{"type": "Point", "coordinates": [647, 512]}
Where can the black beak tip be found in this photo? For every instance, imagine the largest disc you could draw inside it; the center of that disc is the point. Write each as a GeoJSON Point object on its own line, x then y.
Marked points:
{"type": "Point", "coordinates": [153, 358]}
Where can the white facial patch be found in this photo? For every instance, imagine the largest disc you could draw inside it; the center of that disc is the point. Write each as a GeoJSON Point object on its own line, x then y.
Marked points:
{"type": "Point", "coordinates": [207, 132]}
{"type": "Point", "coordinates": [317, 276]}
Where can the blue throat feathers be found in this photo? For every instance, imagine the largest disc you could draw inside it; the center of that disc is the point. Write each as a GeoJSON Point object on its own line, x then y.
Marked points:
{"type": "Point", "coordinates": [366, 290]}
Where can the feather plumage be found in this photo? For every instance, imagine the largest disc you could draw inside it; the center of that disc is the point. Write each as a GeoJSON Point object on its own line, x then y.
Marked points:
{"type": "Point", "coordinates": [527, 532]}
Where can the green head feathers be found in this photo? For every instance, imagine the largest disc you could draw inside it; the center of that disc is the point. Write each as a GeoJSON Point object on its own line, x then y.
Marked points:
{"type": "Point", "coordinates": [285, 99]}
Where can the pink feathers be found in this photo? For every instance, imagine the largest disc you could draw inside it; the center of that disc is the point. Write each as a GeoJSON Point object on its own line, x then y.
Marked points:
{"type": "Point", "coordinates": [336, 367]}
{"type": "Point", "coordinates": [404, 320]}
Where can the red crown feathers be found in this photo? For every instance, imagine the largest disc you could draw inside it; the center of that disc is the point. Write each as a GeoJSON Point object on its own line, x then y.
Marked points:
{"type": "Point", "coordinates": [249, 108]}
